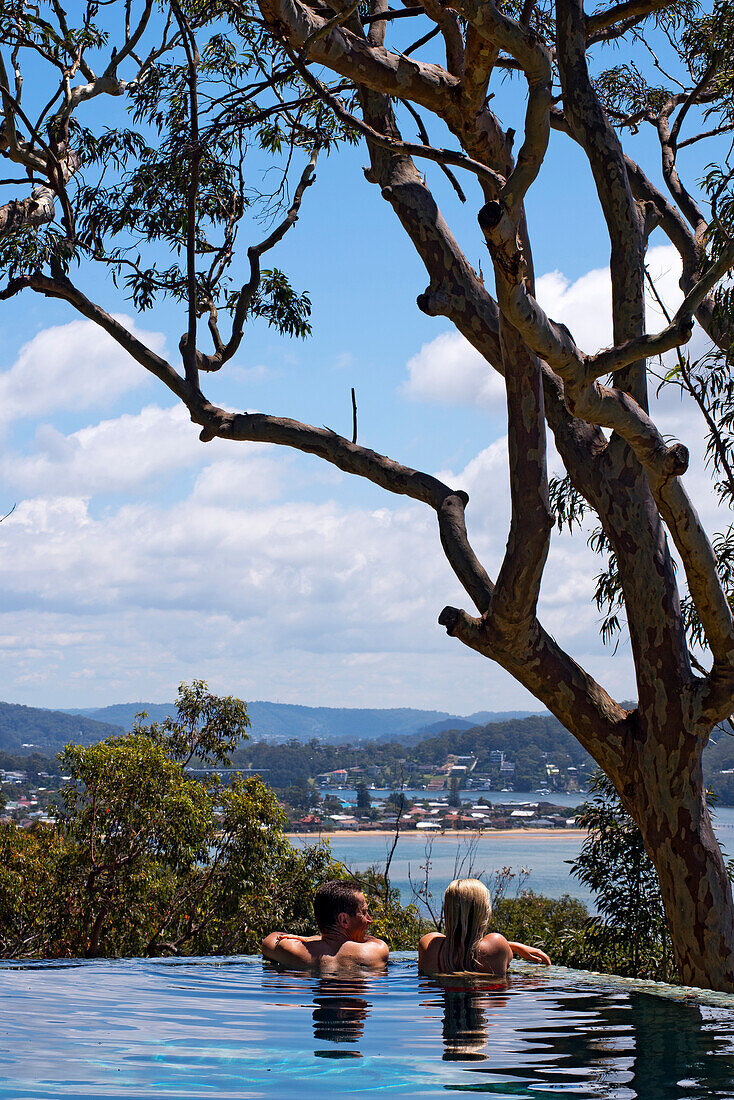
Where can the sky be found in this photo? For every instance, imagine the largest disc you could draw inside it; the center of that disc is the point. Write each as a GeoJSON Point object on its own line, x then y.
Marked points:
{"type": "Point", "coordinates": [137, 557]}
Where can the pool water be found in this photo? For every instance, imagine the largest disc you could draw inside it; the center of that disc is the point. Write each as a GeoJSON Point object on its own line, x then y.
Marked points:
{"type": "Point", "coordinates": [241, 1028]}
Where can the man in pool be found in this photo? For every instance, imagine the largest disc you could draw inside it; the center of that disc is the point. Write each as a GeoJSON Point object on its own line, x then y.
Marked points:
{"type": "Point", "coordinates": [343, 919]}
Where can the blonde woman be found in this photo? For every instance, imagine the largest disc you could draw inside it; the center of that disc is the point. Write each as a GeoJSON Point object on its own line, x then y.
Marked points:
{"type": "Point", "coordinates": [465, 946]}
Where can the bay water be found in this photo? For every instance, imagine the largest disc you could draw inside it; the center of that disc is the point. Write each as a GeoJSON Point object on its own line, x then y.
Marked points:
{"type": "Point", "coordinates": [538, 861]}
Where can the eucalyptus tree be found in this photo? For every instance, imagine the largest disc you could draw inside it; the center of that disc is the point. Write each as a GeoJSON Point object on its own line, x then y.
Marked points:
{"type": "Point", "coordinates": [162, 204]}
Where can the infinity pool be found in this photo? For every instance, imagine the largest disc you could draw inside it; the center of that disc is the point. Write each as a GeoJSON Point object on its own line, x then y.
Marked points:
{"type": "Point", "coordinates": [239, 1028]}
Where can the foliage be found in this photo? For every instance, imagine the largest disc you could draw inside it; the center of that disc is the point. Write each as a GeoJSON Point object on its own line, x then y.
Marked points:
{"type": "Point", "coordinates": [556, 925]}
{"type": "Point", "coordinates": [630, 934]}
{"type": "Point", "coordinates": [29, 901]}
{"type": "Point", "coordinates": [401, 926]}
{"type": "Point", "coordinates": [133, 823]}
{"type": "Point", "coordinates": [207, 727]}
{"type": "Point", "coordinates": [146, 859]}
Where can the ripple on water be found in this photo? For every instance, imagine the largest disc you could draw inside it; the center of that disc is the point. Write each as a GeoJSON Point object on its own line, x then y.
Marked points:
{"type": "Point", "coordinates": [241, 1028]}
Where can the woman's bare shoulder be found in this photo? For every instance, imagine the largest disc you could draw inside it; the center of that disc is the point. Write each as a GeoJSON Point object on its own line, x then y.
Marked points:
{"type": "Point", "coordinates": [428, 939]}
{"type": "Point", "coordinates": [493, 953]}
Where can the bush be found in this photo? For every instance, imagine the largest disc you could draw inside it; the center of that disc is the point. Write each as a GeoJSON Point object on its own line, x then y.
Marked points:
{"type": "Point", "coordinates": [556, 925]}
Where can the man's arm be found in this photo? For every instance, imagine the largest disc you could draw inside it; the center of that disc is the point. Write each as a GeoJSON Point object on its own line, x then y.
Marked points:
{"type": "Point", "coordinates": [289, 950]}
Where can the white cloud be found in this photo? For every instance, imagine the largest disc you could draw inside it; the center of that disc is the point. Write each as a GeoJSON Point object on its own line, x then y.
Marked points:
{"type": "Point", "coordinates": [72, 366]}
{"type": "Point", "coordinates": [449, 371]}
{"type": "Point", "coordinates": [114, 455]}
{"type": "Point", "coordinates": [142, 451]}
{"type": "Point", "coordinates": [585, 305]}
{"type": "Point", "coordinates": [242, 581]}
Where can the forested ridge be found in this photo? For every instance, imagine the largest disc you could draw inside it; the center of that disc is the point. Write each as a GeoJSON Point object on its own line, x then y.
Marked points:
{"type": "Point", "coordinates": [25, 729]}
{"type": "Point", "coordinates": [523, 740]}
{"type": "Point", "coordinates": [52, 729]}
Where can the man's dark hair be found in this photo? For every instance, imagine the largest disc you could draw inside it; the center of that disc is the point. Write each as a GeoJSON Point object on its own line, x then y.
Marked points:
{"type": "Point", "coordinates": [333, 898]}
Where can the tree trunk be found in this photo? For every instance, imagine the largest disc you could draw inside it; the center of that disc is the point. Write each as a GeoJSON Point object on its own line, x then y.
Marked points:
{"type": "Point", "coordinates": [668, 801]}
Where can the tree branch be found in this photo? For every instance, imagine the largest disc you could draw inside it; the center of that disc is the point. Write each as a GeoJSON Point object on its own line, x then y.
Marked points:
{"type": "Point", "coordinates": [629, 12]}
{"type": "Point", "coordinates": [406, 148]}
{"type": "Point", "coordinates": [502, 32]}
{"type": "Point", "coordinates": [353, 57]}
{"type": "Point", "coordinates": [224, 352]}
{"type": "Point", "coordinates": [594, 133]}
{"type": "Point", "coordinates": [188, 349]}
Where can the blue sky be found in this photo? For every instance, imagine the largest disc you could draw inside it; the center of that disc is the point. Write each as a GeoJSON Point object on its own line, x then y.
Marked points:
{"type": "Point", "coordinates": [137, 557]}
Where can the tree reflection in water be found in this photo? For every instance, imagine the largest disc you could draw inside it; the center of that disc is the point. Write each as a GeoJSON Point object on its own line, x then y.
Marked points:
{"type": "Point", "coordinates": [651, 1047]}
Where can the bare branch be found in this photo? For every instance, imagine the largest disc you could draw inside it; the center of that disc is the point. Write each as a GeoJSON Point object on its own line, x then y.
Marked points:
{"type": "Point", "coordinates": [195, 152]}
{"type": "Point", "coordinates": [592, 130]}
{"type": "Point", "coordinates": [448, 23]}
{"type": "Point", "coordinates": [724, 129]}
{"type": "Point", "coordinates": [628, 12]}
{"type": "Point", "coordinates": [406, 148]}
{"type": "Point", "coordinates": [505, 33]}
{"type": "Point", "coordinates": [684, 200]}
{"type": "Point", "coordinates": [353, 57]}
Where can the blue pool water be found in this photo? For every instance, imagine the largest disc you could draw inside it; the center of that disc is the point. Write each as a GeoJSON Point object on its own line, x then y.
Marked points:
{"type": "Point", "coordinates": [240, 1028]}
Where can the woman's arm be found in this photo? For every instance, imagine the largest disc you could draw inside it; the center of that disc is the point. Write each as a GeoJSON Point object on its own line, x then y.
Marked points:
{"type": "Point", "coordinates": [530, 954]}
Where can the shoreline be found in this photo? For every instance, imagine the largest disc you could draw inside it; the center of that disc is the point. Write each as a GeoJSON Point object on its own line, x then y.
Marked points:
{"type": "Point", "coordinates": [448, 834]}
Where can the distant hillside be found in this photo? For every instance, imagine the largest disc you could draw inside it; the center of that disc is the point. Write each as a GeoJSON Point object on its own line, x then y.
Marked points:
{"type": "Point", "coordinates": [481, 718]}
{"type": "Point", "coordinates": [124, 714]}
{"type": "Point", "coordinates": [529, 743]}
{"type": "Point", "coordinates": [31, 729]}
{"type": "Point", "coordinates": [283, 721]}
{"type": "Point", "coordinates": [522, 741]}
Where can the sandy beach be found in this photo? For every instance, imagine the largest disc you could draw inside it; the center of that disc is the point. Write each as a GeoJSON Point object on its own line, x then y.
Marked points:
{"type": "Point", "coordinates": [448, 834]}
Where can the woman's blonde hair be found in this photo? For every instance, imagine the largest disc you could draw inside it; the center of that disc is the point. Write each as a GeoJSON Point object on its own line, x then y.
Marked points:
{"type": "Point", "coordinates": [467, 908]}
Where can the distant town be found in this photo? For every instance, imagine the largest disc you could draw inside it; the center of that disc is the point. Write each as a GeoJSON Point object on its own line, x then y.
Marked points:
{"type": "Point", "coordinates": [441, 802]}
{"type": "Point", "coordinates": [360, 797]}
{"type": "Point", "coordinates": [430, 781]}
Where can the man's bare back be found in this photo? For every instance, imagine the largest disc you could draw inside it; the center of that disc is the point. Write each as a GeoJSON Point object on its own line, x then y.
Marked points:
{"type": "Point", "coordinates": [345, 943]}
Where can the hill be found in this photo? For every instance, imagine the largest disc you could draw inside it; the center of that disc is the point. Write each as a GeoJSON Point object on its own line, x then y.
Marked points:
{"type": "Point", "coordinates": [32, 729]}
{"type": "Point", "coordinates": [335, 725]}
{"type": "Point", "coordinates": [529, 743]}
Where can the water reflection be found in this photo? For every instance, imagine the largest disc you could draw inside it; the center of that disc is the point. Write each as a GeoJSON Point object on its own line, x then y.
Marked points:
{"type": "Point", "coordinates": [681, 1050]}
{"type": "Point", "coordinates": [622, 1044]}
{"type": "Point", "coordinates": [466, 1004]}
{"type": "Point", "coordinates": [339, 1014]}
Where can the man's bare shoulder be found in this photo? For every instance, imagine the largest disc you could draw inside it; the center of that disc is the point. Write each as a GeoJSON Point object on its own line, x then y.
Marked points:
{"type": "Point", "coordinates": [370, 951]}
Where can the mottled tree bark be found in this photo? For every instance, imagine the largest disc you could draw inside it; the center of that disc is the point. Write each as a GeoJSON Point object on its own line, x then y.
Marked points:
{"type": "Point", "coordinates": [653, 754]}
